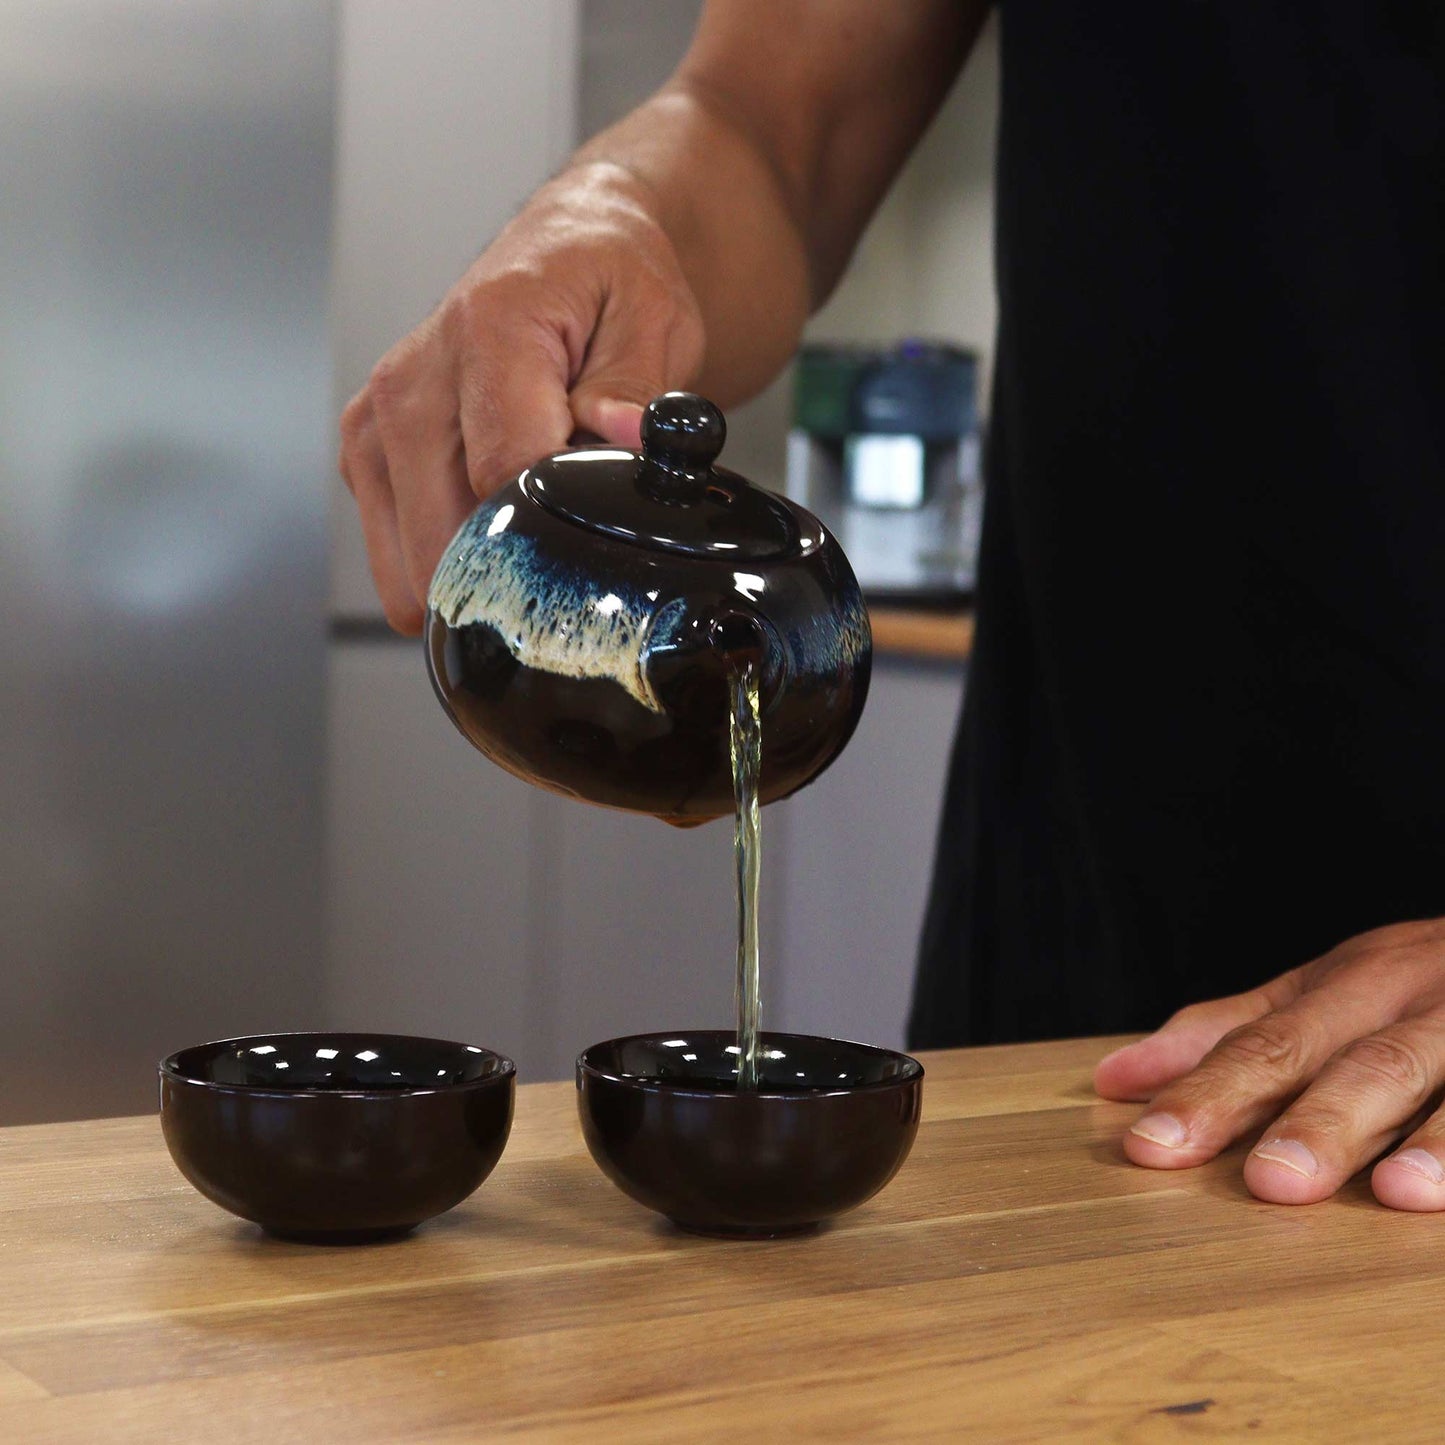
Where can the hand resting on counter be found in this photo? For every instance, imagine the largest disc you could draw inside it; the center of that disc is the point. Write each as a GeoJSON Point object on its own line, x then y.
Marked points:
{"type": "Point", "coordinates": [1329, 1064]}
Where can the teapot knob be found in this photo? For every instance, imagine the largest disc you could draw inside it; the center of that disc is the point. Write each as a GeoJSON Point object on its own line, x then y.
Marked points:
{"type": "Point", "coordinates": [682, 433]}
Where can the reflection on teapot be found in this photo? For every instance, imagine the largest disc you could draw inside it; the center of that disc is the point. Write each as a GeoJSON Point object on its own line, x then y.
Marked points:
{"type": "Point", "coordinates": [583, 625]}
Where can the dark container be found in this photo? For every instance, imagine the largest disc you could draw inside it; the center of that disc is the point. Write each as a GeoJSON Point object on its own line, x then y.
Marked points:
{"type": "Point", "coordinates": [583, 625]}
{"type": "Point", "coordinates": [922, 389]}
{"type": "Point", "coordinates": [829, 1126]}
{"type": "Point", "coordinates": [336, 1137]}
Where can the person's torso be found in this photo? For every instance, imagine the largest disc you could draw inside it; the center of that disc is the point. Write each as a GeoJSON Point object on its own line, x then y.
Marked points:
{"type": "Point", "coordinates": [1207, 722]}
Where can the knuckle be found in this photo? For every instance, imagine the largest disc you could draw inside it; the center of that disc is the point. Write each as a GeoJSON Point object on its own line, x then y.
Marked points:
{"type": "Point", "coordinates": [353, 420]}
{"type": "Point", "coordinates": [465, 315]}
{"type": "Point", "coordinates": [514, 290]}
{"type": "Point", "coordinates": [1269, 1045]}
{"type": "Point", "coordinates": [1386, 953]}
{"type": "Point", "coordinates": [1400, 977]}
{"type": "Point", "coordinates": [522, 273]}
{"type": "Point", "coordinates": [454, 316]}
{"type": "Point", "coordinates": [1190, 1013]}
{"type": "Point", "coordinates": [389, 383]}
{"type": "Point", "coordinates": [1369, 957]}
{"type": "Point", "coordinates": [485, 473]}
{"type": "Point", "coordinates": [490, 463]}
{"type": "Point", "coordinates": [491, 468]}
{"type": "Point", "coordinates": [486, 455]}
{"type": "Point", "coordinates": [1391, 935]}
{"type": "Point", "coordinates": [1389, 1061]}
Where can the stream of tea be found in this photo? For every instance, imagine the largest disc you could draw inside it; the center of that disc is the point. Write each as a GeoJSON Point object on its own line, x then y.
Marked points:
{"type": "Point", "coordinates": [746, 743]}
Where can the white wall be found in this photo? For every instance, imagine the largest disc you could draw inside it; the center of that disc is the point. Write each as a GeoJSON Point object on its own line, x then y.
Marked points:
{"type": "Point", "coordinates": [449, 114]}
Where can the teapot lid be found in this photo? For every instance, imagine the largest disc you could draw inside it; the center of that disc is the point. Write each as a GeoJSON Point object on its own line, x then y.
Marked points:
{"type": "Point", "coordinates": [670, 497]}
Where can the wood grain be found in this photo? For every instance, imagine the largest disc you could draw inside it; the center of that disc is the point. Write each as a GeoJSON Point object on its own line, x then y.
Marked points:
{"type": "Point", "coordinates": [1018, 1281]}
{"type": "Point", "coordinates": [935, 635]}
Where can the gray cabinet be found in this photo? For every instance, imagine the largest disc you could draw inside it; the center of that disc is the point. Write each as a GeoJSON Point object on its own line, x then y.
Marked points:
{"type": "Point", "coordinates": [640, 931]}
{"type": "Point", "coordinates": [857, 854]}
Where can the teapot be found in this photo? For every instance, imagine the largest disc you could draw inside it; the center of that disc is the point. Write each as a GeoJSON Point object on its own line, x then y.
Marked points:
{"type": "Point", "coordinates": [584, 625]}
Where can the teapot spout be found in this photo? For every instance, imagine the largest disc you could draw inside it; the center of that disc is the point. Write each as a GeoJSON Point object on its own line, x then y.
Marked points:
{"type": "Point", "coordinates": [688, 655]}
{"type": "Point", "coordinates": [740, 640]}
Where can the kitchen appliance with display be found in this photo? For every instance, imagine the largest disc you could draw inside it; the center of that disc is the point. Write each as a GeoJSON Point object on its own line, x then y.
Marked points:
{"type": "Point", "coordinates": [884, 449]}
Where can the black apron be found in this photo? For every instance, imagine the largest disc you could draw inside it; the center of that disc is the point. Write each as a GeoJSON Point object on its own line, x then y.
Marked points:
{"type": "Point", "coordinates": [1204, 734]}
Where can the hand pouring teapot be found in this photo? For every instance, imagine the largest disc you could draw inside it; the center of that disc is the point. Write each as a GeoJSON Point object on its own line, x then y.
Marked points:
{"type": "Point", "coordinates": [585, 622]}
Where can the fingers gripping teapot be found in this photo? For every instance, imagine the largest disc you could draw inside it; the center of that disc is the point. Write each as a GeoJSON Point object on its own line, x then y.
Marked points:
{"type": "Point", "coordinates": [584, 624]}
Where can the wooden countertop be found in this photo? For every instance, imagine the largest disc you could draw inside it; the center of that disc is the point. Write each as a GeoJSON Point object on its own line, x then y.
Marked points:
{"type": "Point", "coordinates": [1017, 1281]}
{"type": "Point", "coordinates": [901, 631]}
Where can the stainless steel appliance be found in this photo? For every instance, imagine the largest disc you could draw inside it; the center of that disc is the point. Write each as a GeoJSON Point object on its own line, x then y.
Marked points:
{"type": "Point", "coordinates": [885, 449]}
{"type": "Point", "coordinates": [164, 443]}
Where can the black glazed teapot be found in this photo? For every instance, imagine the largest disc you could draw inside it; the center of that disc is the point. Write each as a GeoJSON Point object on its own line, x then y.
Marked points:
{"type": "Point", "coordinates": [583, 627]}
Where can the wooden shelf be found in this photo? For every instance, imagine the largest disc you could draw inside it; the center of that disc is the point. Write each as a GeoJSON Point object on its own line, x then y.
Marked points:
{"type": "Point", "coordinates": [902, 632]}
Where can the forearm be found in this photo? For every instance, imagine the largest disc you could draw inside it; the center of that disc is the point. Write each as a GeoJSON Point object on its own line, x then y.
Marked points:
{"type": "Point", "coordinates": [766, 154]}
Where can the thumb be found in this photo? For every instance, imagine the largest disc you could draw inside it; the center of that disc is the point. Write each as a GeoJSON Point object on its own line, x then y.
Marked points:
{"type": "Point", "coordinates": [637, 352]}
{"type": "Point", "coordinates": [1139, 1070]}
{"type": "Point", "coordinates": [612, 418]}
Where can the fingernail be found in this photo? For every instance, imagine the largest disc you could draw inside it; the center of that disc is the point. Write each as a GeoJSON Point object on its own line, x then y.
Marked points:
{"type": "Point", "coordinates": [1291, 1153]}
{"type": "Point", "coordinates": [1421, 1161]}
{"type": "Point", "coordinates": [1162, 1129]}
{"type": "Point", "coordinates": [614, 410]}
{"type": "Point", "coordinates": [620, 422]}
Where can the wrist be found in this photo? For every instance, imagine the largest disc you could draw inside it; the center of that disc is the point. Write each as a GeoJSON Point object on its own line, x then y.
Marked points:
{"type": "Point", "coordinates": [724, 211]}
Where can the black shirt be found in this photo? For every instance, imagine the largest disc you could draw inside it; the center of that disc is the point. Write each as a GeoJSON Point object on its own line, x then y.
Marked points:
{"type": "Point", "coordinates": [1204, 735]}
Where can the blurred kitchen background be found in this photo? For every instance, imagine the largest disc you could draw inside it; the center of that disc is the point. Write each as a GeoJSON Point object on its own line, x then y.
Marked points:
{"type": "Point", "coordinates": [228, 800]}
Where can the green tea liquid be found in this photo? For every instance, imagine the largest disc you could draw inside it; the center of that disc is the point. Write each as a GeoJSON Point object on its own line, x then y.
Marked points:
{"type": "Point", "coordinates": [746, 738]}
